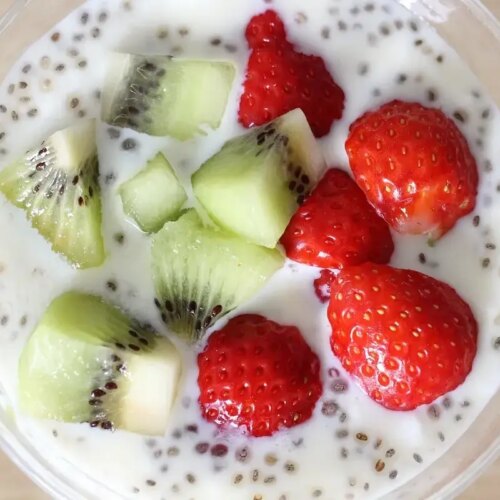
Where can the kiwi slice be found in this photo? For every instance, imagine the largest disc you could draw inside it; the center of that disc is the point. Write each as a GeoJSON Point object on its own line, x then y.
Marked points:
{"type": "Point", "coordinates": [57, 186]}
{"type": "Point", "coordinates": [161, 96]}
{"type": "Point", "coordinates": [253, 185]}
{"type": "Point", "coordinates": [153, 196]}
{"type": "Point", "coordinates": [88, 362]}
{"type": "Point", "coordinates": [202, 273]}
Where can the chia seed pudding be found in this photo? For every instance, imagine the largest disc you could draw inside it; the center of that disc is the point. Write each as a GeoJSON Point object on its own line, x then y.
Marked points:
{"type": "Point", "coordinates": [351, 447]}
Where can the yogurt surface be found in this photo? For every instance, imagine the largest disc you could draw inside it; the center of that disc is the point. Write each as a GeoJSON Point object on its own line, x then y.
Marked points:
{"type": "Point", "coordinates": [352, 448]}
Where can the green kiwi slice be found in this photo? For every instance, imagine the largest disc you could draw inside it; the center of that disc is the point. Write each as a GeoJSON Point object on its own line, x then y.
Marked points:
{"type": "Point", "coordinates": [57, 185]}
{"type": "Point", "coordinates": [87, 361]}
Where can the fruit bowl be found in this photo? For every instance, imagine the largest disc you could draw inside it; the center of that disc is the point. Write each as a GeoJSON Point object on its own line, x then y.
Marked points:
{"type": "Point", "coordinates": [475, 35]}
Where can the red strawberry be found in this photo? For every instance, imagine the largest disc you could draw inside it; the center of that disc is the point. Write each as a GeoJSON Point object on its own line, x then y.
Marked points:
{"type": "Point", "coordinates": [406, 337]}
{"type": "Point", "coordinates": [336, 227]}
{"type": "Point", "coordinates": [280, 79]}
{"type": "Point", "coordinates": [414, 166]}
{"type": "Point", "coordinates": [258, 375]}
{"type": "Point", "coordinates": [322, 285]}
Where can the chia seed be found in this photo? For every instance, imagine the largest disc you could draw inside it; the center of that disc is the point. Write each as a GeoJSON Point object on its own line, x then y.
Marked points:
{"type": "Point", "coordinates": [129, 144]}
{"type": "Point", "coordinates": [329, 408]}
{"type": "Point", "coordinates": [173, 451]}
{"type": "Point", "coordinates": [219, 450]}
{"type": "Point", "coordinates": [202, 448]}
{"type": "Point", "coordinates": [114, 133]}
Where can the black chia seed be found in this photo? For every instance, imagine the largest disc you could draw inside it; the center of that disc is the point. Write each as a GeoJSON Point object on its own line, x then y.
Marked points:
{"type": "Point", "coordinates": [114, 133]}
{"type": "Point", "coordinates": [433, 412]}
{"type": "Point", "coordinates": [317, 493]}
{"type": "Point", "coordinates": [111, 285]}
{"type": "Point", "coordinates": [390, 452]}
{"type": "Point", "coordinates": [417, 458]}
{"type": "Point", "coordinates": [129, 144]}
{"type": "Point", "coordinates": [290, 467]}
{"type": "Point", "coordinates": [329, 408]}
{"type": "Point", "coordinates": [496, 343]}
{"type": "Point", "coordinates": [431, 95]}
{"type": "Point", "coordinates": [119, 238]}
{"type": "Point", "coordinates": [4, 320]}
{"type": "Point", "coordinates": [440, 436]}
{"type": "Point", "coordinates": [339, 385]}
{"type": "Point", "coordinates": [202, 448]}
{"type": "Point", "coordinates": [242, 454]}
{"type": "Point", "coordinates": [150, 482]}
{"type": "Point", "coordinates": [485, 262]}
{"type": "Point", "coordinates": [393, 474]}
{"type": "Point", "coordinates": [363, 69]}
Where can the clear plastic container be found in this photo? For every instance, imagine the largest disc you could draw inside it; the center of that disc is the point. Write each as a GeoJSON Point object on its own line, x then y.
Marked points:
{"type": "Point", "coordinates": [475, 34]}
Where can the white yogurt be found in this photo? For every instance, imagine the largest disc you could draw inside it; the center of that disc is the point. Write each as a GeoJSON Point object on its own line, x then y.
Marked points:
{"type": "Point", "coordinates": [399, 56]}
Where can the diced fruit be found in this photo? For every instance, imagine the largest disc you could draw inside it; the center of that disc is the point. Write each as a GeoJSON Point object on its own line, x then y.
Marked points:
{"type": "Point", "coordinates": [259, 376]}
{"type": "Point", "coordinates": [88, 362]}
{"type": "Point", "coordinates": [279, 79]}
{"type": "Point", "coordinates": [202, 273]}
{"type": "Point", "coordinates": [57, 186]}
{"type": "Point", "coordinates": [406, 337]}
{"type": "Point", "coordinates": [153, 196]}
{"type": "Point", "coordinates": [252, 186]}
{"type": "Point", "coordinates": [322, 285]}
{"type": "Point", "coordinates": [161, 96]}
{"type": "Point", "coordinates": [415, 167]}
{"type": "Point", "coordinates": [336, 227]}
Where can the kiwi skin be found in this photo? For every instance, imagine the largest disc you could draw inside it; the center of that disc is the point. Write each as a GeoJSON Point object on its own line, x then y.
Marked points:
{"type": "Point", "coordinates": [57, 185]}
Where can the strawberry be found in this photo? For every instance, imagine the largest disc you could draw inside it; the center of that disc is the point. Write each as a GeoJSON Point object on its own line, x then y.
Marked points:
{"type": "Point", "coordinates": [279, 79]}
{"type": "Point", "coordinates": [406, 337]}
{"type": "Point", "coordinates": [414, 166]}
{"type": "Point", "coordinates": [322, 285]}
{"type": "Point", "coordinates": [258, 375]}
{"type": "Point", "coordinates": [336, 227]}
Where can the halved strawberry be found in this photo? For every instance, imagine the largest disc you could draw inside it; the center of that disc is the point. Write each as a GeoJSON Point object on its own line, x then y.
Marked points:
{"type": "Point", "coordinates": [406, 337]}
{"type": "Point", "coordinates": [414, 166]}
{"type": "Point", "coordinates": [280, 79]}
{"type": "Point", "coordinates": [258, 375]}
{"type": "Point", "coordinates": [336, 227]}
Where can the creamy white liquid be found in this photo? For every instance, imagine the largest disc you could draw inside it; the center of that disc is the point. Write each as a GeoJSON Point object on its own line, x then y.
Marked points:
{"type": "Point", "coordinates": [328, 463]}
